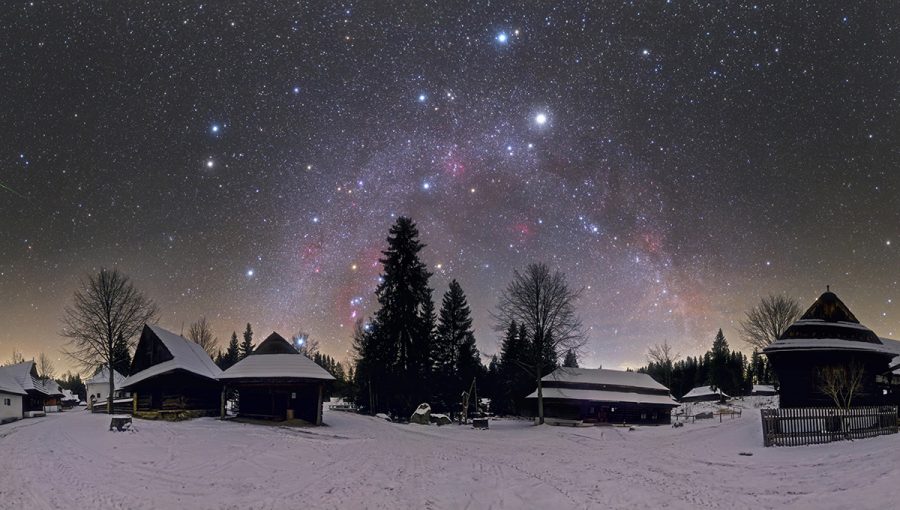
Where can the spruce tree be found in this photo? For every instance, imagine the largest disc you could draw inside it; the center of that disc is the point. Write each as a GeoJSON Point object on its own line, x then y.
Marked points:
{"type": "Point", "coordinates": [398, 351]}
{"type": "Point", "coordinates": [121, 361]}
{"type": "Point", "coordinates": [456, 358]}
{"type": "Point", "coordinates": [571, 360]}
{"type": "Point", "coordinates": [247, 344]}
{"type": "Point", "coordinates": [233, 353]}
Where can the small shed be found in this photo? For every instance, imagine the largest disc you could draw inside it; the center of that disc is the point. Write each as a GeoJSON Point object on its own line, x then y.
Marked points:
{"type": "Point", "coordinates": [704, 394]}
{"type": "Point", "coordinates": [54, 396]}
{"type": "Point", "coordinates": [276, 382]}
{"type": "Point", "coordinates": [11, 396]}
{"type": "Point", "coordinates": [595, 395]}
{"type": "Point", "coordinates": [172, 377]}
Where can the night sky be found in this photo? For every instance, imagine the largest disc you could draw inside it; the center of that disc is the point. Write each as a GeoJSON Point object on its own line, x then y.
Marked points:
{"type": "Point", "coordinates": [244, 160]}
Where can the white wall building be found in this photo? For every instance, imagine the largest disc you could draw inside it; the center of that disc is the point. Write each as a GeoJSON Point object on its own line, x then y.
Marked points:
{"type": "Point", "coordinates": [98, 386]}
{"type": "Point", "coordinates": [11, 394]}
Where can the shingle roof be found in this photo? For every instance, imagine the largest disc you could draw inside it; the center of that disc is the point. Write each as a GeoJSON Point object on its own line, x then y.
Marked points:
{"type": "Point", "coordinates": [602, 376]}
{"type": "Point", "coordinates": [102, 377]}
{"type": "Point", "coordinates": [605, 396]}
{"type": "Point", "coordinates": [703, 391]}
{"type": "Point", "coordinates": [186, 355]}
{"type": "Point", "coordinates": [8, 382]}
{"type": "Point", "coordinates": [22, 374]}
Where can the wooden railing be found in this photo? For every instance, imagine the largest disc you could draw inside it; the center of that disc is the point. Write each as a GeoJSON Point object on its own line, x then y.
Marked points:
{"type": "Point", "coordinates": [813, 425]}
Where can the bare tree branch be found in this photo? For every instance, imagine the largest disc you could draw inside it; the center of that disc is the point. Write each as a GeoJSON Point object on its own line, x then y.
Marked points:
{"type": "Point", "coordinates": [543, 302]}
{"type": "Point", "coordinates": [841, 382]}
{"type": "Point", "coordinates": [200, 333]}
{"type": "Point", "coordinates": [766, 321]}
{"type": "Point", "coordinates": [106, 306]}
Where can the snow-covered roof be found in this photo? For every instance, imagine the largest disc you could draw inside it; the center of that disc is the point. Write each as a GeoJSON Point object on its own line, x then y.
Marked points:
{"type": "Point", "coordinates": [22, 373]}
{"type": "Point", "coordinates": [51, 387]}
{"type": "Point", "coordinates": [102, 377]}
{"type": "Point", "coordinates": [603, 376]}
{"type": "Point", "coordinates": [283, 362]}
{"type": "Point", "coordinates": [8, 383]}
{"type": "Point", "coordinates": [704, 391]}
{"type": "Point", "coordinates": [830, 344]}
{"type": "Point", "coordinates": [763, 388]}
{"type": "Point", "coordinates": [68, 395]}
{"type": "Point", "coordinates": [186, 355]}
{"type": "Point", "coordinates": [606, 396]}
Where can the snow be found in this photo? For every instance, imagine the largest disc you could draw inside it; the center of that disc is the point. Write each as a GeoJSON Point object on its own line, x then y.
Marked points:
{"type": "Point", "coordinates": [605, 396]}
{"type": "Point", "coordinates": [102, 377]}
{"type": "Point", "coordinates": [364, 462]}
{"type": "Point", "coordinates": [8, 382]}
{"type": "Point", "coordinates": [703, 391]}
{"type": "Point", "coordinates": [186, 355]}
{"type": "Point", "coordinates": [831, 344]}
{"type": "Point", "coordinates": [603, 376]}
{"type": "Point", "coordinates": [21, 372]}
{"type": "Point", "coordinates": [277, 365]}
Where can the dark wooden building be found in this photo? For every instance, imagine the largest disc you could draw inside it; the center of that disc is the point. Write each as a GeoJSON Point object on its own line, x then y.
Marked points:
{"type": "Point", "coordinates": [828, 335]}
{"type": "Point", "coordinates": [594, 395]}
{"type": "Point", "coordinates": [172, 377]}
{"type": "Point", "coordinates": [276, 382]}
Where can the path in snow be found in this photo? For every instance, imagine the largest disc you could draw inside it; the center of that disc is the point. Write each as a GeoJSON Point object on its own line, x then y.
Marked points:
{"type": "Point", "coordinates": [69, 460]}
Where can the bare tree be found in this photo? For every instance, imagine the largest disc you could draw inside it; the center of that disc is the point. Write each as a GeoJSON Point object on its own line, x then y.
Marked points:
{"type": "Point", "coordinates": [45, 367]}
{"type": "Point", "coordinates": [665, 357]}
{"type": "Point", "coordinates": [766, 321]}
{"type": "Point", "coordinates": [106, 306]}
{"type": "Point", "coordinates": [543, 302]}
{"type": "Point", "coordinates": [842, 382]}
{"type": "Point", "coordinates": [200, 333]}
{"type": "Point", "coordinates": [305, 344]}
{"type": "Point", "coordinates": [16, 358]}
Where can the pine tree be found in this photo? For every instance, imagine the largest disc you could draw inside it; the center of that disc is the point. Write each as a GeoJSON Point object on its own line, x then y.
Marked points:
{"type": "Point", "coordinates": [396, 353]}
{"type": "Point", "coordinates": [121, 362]}
{"type": "Point", "coordinates": [247, 344]}
{"type": "Point", "coordinates": [232, 354]}
{"type": "Point", "coordinates": [456, 358]}
{"type": "Point", "coordinates": [515, 381]}
{"type": "Point", "coordinates": [571, 360]}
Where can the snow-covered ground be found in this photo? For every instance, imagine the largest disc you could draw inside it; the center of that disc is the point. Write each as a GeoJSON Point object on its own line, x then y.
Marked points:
{"type": "Point", "coordinates": [69, 460]}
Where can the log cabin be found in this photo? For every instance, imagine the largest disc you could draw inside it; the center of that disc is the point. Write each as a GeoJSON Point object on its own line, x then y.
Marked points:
{"type": "Point", "coordinates": [172, 377]}
{"type": "Point", "coordinates": [595, 395]}
{"type": "Point", "coordinates": [704, 394]}
{"type": "Point", "coordinates": [275, 382]}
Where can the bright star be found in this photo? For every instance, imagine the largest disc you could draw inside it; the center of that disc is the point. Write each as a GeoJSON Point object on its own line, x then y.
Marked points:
{"type": "Point", "coordinates": [645, 52]}
{"type": "Point", "coordinates": [426, 186]}
{"type": "Point", "coordinates": [296, 90]}
{"type": "Point", "coordinates": [249, 272]}
{"type": "Point", "coordinates": [540, 119]}
{"type": "Point", "coordinates": [422, 98]}
{"type": "Point", "coordinates": [209, 163]}
{"type": "Point", "coordinates": [214, 128]}
{"type": "Point", "coordinates": [502, 38]}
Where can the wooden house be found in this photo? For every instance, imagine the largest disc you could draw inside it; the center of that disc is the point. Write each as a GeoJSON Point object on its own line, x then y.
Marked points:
{"type": "Point", "coordinates": [12, 396]}
{"type": "Point", "coordinates": [828, 335]}
{"type": "Point", "coordinates": [26, 376]}
{"type": "Point", "coordinates": [704, 394]}
{"type": "Point", "coordinates": [276, 382]}
{"type": "Point", "coordinates": [172, 377]}
{"type": "Point", "coordinates": [97, 387]}
{"type": "Point", "coordinates": [53, 396]}
{"type": "Point", "coordinates": [594, 395]}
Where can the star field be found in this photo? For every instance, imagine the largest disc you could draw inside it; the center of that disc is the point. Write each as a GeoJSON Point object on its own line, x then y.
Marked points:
{"type": "Point", "coordinates": [244, 160]}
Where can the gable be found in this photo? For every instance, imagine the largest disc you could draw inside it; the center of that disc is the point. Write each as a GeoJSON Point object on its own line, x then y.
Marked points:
{"type": "Point", "coordinates": [150, 351]}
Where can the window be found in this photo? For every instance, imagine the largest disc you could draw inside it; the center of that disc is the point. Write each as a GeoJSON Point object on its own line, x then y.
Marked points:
{"type": "Point", "coordinates": [7, 402]}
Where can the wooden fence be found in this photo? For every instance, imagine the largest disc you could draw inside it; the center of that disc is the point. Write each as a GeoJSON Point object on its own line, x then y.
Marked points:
{"type": "Point", "coordinates": [813, 425]}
